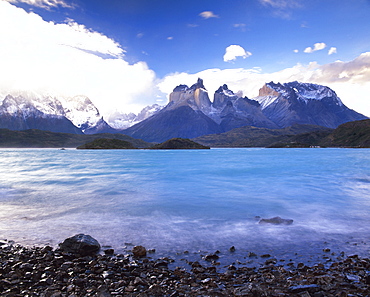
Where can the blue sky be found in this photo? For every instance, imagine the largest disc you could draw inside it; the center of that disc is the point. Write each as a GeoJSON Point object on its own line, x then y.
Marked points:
{"type": "Point", "coordinates": [136, 51]}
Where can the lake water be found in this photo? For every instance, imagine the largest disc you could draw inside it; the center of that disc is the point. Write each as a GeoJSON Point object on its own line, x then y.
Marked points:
{"type": "Point", "coordinates": [190, 199]}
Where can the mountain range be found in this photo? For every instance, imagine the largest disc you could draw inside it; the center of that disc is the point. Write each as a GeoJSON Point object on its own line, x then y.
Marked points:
{"type": "Point", "coordinates": [78, 115]}
{"type": "Point", "coordinates": [189, 114]}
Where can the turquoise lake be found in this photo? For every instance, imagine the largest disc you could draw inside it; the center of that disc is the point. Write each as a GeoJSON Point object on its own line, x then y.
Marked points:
{"type": "Point", "coordinates": [193, 200]}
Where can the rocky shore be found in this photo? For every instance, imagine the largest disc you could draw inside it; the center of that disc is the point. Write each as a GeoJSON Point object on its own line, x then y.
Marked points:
{"type": "Point", "coordinates": [66, 271]}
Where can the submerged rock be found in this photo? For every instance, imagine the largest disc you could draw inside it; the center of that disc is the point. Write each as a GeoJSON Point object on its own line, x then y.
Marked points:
{"type": "Point", "coordinates": [80, 244]}
{"type": "Point", "coordinates": [276, 221]}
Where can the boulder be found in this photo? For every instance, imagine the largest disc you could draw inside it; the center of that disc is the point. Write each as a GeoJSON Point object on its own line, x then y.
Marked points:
{"type": "Point", "coordinates": [276, 221]}
{"type": "Point", "coordinates": [139, 251]}
{"type": "Point", "coordinates": [80, 244]}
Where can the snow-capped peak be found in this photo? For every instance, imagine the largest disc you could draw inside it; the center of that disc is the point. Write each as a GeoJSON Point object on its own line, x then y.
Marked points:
{"type": "Point", "coordinates": [78, 109]}
{"type": "Point", "coordinates": [81, 111]}
{"type": "Point", "coordinates": [304, 92]}
{"type": "Point", "coordinates": [307, 91]}
{"type": "Point", "coordinates": [225, 91]}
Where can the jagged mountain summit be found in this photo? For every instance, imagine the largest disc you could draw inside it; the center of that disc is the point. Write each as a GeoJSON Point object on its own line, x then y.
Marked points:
{"type": "Point", "coordinates": [231, 111]}
{"type": "Point", "coordinates": [190, 113]}
{"type": "Point", "coordinates": [304, 103]}
{"type": "Point", "coordinates": [185, 116]}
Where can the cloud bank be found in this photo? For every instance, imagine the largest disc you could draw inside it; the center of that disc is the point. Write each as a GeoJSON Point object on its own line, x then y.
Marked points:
{"type": "Point", "coordinates": [46, 4]}
{"type": "Point", "coordinates": [69, 59]}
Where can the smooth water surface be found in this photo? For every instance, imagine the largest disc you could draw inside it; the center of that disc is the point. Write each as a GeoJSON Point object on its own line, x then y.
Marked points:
{"type": "Point", "coordinates": [176, 200]}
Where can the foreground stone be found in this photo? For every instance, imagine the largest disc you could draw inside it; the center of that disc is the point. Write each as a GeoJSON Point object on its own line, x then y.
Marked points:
{"type": "Point", "coordinates": [42, 271]}
{"type": "Point", "coordinates": [139, 251]}
{"type": "Point", "coordinates": [80, 244]}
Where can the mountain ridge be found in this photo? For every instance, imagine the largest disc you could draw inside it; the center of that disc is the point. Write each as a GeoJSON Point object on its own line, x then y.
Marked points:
{"type": "Point", "coordinates": [189, 113]}
{"type": "Point", "coordinates": [277, 106]}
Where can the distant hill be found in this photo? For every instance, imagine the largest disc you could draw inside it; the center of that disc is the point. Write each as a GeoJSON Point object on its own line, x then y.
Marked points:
{"type": "Point", "coordinates": [179, 143]}
{"type": "Point", "coordinates": [44, 139]}
{"type": "Point", "coordinates": [249, 136]}
{"type": "Point", "coordinates": [354, 134]}
{"type": "Point", "coordinates": [107, 143]}
{"type": "Point", "coordinates": [351, 134]}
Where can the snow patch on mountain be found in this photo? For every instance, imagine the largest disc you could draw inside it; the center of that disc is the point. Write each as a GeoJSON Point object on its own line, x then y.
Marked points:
{"type": "Point", "coordinates": [265, 101]}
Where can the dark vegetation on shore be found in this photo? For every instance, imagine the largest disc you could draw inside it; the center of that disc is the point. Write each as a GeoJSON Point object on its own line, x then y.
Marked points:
{"type": "Point", "coordinates": [174, 143]}
{"type": "Point", "coordinates": [45, 139]}
{"type": "Point", "coordinates": [107, 143]}
{"type": "Point", "coordinates": [352, 134]}
{"type": "Point", "coordinates": [179, 143]}
{"type": "Point", "coordinates": [43, 271]}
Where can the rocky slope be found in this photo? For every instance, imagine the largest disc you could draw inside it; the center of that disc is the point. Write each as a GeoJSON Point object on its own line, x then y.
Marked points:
{"type": "Point", "coordinates": [183, 122]}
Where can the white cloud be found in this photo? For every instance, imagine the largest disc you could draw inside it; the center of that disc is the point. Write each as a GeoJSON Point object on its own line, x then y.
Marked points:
{"type": "Point", "coordinates": [316, 47]}
{"type": "Point", "coordinates": [281, 3]}
{"type": "Point", "coordinates": [240, 26]}
{"type": "Point", "coordinates": [282, 8]}
{"type": "Point", "coordinates": [350, 80]}
{"type": "Point", "coordinates": [296, 51]}
{"type": "Point", "coordinates": [69, 59]}
{"type": "Point", "coordinates": [47, 4]}
{"type": "Point", "coordinates": [233, 51]}
{"type": "Point", "coordinates": [332, 50]}
{"type": "Point", "coordinates": [208, 15]}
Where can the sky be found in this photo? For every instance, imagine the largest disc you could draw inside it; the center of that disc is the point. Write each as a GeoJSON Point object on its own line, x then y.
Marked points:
{"type": "Point", "coordinates": [127, 54]}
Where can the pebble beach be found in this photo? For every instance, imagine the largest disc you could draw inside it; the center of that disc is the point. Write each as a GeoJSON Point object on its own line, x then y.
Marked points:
{"type": "Point", "coordinates": [49, 272]}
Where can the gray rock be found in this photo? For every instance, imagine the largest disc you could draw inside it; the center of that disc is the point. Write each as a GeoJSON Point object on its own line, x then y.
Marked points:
{"type": "Point", "coordinates": [80, 244]}
{"type": "Point", "coordinates": [276, 221]}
